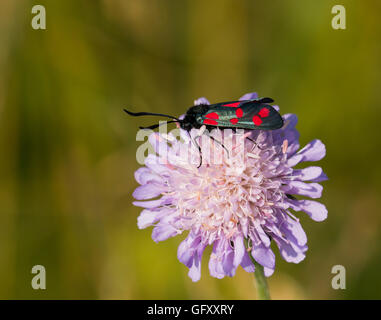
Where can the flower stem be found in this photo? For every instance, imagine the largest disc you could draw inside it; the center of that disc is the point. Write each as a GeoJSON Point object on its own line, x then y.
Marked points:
{"type": "Point", "coordinates": [260, 279]}
{"type": "Point", "coordinates": [261, 283]}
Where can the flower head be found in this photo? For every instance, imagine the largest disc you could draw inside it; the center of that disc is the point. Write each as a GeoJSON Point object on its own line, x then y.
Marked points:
{"type": "Point", "coordinates": [245, 193]}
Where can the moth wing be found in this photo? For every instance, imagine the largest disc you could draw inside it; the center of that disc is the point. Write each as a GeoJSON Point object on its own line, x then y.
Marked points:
{"type": "Point", "coordinates": [249, 114]}
{"type": "Point", "coordinates": [262, 116]}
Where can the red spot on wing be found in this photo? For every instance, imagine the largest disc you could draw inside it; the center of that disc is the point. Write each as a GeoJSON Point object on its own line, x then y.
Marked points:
{"type": "Point", "coordinates": [264, 112]}
{"type": "Point", "coordinates": [212, 122]}
{"type": "Point", "coordinates": [232, 105]}
{"type": "Point", "coordinates": [257, 120]}
{"type": "Point", "coordinates": [234, 120]}
{"type": "Point", "coordinates": [212, 115]}
{"type": "Point", "coordinates": [239, 113]}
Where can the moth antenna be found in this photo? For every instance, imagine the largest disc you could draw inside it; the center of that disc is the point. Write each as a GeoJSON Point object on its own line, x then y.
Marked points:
{"type": "Point", "coordinates": [157, 125]}
{"type": "Point", "coordinates": [139, 114]}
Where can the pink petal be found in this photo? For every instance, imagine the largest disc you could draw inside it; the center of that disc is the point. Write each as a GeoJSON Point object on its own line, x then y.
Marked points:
{"type": "Point", "coordinates": [148, 191]}
{"type": "Point", "coordinates": [309, 173]}
{"type": "Point", "coordinates": [312, 190]}
{"type": "Point", "coordinates": [247, 264]}
{"type": "Point", "coordinates": [201, 100]}
{"type": "Point", "coordinates": [152, 203]}
{"type": "Point", "coordinates": [268, 271]}
{"type": "Point", "coordinates": [263, 255]}
{"type": "Point", "coordinates": [144, 175]}
{"type": "Point", "coordinates": [314, 209]}
{"type": "Point", "coordinates": [313, 151]}
{"type": "Point", "coordinates": [239, 250]}
{"type": "Point", "coordinates": [163, 231]}
{"type": "Point", "coordinates": [290, 251]}
{"type": "Point", "coordinates": [249, 96]}
{"type": "Point", "coordinates": [149, 217]}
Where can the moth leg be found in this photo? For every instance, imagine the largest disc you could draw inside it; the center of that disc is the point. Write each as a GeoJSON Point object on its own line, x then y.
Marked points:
{"type": "Point", "coordinates": [255, 143]}
{"type": "Point", "coordinates": [198, 147]}
{"type": "Point", "coordinates": [199, 150]}
{"type": "Point", "coordinates": [219, 142]}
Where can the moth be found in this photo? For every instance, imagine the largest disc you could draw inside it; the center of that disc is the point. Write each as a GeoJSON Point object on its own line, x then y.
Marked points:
{"type": "Point", "coordinates": [254, 114]}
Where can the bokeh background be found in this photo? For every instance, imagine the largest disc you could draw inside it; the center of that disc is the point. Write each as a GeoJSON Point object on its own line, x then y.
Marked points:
{"type": "Point", "coordinates": [68, 151]}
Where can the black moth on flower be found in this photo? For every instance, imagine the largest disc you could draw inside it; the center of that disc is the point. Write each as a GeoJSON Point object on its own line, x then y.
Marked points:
{"type": "Point", "coordinates": [247, 114]}
{"type": "Point", "coordinates": [244, 114]}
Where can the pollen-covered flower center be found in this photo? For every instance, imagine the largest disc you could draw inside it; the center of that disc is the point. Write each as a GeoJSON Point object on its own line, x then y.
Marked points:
{"type": "Point", "coordinates": [227, 198]}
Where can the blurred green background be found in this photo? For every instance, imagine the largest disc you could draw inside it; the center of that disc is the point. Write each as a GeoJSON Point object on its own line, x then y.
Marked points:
{"type": "Point", "coordinates": [68, 151]}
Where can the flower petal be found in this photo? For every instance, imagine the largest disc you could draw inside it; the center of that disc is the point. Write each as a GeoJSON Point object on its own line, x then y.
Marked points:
{"type": "Point", "coordinates": [313, 151]}
{"type": "Point", "coordinates": [158, 143]}
{"type": "Point", "coordinates": [247, 264]}
{"type": "Point", "coordinates": [239, 250]}
{"type": "Point", "coordinates": [322, 177]}
{"type": "Point", "coordinates": [308, 173]}
{"type": "Point", "coordinates": [153, 162]}
{"type": "Point", "coordinates": [293, 231]}
{"type": "Point", "coordinates": [153, 203]}
{"type": "Point", "coordinates": [195, 270]}
{"type": "Point", "coordinates": [215, 266]}
{"type": "Point", "coordinates": [190, 253]}
{"type": "Point", "coordinates": [312, 190]}
{"type": "Point", "coordinates": [263, 255]}
{"type": "Point", "coordinates": [249, 96]}
{"type": "Point", "coordinates": [290, 251]}
{"type": "Point", "coordinates": [314, 209]}
{"type": "Point", "coordinates": [201, 100]}
{"type": "Point", "coordinates": [221, 262]}
{"type": "Point", "coordinates": [149, 217]}
{"type": "Point", "coordinates": [263, 236]}
{"type": "Point", "coordinates": [148, 191]}
{"type": "Point", "coordinates": [163, 231]}
{"type": "Point", "coordinates": [268, 271]}
{"type": "Point", "coordinates": [144, 175]}
{"type": "Point", "coordinates": [187, 248]}
{"type": "Point", "coordinates": [290, 121]}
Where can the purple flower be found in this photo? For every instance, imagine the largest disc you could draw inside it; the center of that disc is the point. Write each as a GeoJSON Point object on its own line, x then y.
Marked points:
{"type": "Point", "coordinates": [242, 196]}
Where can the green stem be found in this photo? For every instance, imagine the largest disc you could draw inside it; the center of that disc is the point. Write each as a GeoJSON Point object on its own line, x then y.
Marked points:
{"type": "Point", "coordinates": [260, 279]}
{"type": "Point", "coordinates": [261, 283]}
